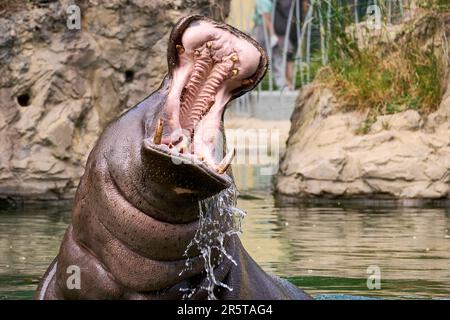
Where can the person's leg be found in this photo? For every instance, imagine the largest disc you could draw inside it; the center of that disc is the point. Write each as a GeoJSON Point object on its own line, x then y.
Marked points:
{"type": "Point", "coordinates": [275, 55]}
{"type": "Point", "coordinates": [277, 67]}
{"type": "Point", "coordinates": [291, 54]}
{"type": "Point", "coordinates": [290, 75]}
{"type": "Point", "coordinates": [258, 35]}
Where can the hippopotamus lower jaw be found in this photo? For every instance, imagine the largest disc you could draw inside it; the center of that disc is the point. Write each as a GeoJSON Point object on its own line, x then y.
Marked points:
{"type": "Point", "coordinates": [185, 175]}
{"type": "Point", "coordinates": [212, 63]}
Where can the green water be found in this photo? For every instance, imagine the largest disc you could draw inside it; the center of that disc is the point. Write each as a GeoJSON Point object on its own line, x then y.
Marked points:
{"type": "Point", "coordinates": [327, 249]}
{"type": "Point", "coordinates": [324, 250]}
{"type": "Point", "coordinates": [29, 240]}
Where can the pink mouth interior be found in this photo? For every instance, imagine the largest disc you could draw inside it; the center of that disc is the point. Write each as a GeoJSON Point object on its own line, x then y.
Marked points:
{"type": "Point", "coordinates": [212, 62]}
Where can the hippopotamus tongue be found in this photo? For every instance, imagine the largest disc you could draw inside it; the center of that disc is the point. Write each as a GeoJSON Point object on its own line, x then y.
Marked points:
{"type": "Point", "coordinates": [209, 65]}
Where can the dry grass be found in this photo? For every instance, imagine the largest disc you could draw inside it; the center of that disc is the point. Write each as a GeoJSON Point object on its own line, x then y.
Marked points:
{"type": "Point", "coordinates": [408, 74]}
{"type": "Point", "coordinates": [406, 78]}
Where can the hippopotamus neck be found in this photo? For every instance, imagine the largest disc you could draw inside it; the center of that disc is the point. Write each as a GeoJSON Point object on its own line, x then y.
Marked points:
{"type": "Point", "coordinates": [132, 172]}
{"type": "Point", "coordinates": [127, 220]}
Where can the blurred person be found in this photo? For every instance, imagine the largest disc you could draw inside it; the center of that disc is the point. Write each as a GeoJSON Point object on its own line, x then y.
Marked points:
{"type": "Point", "coordinates": [263, 28]}
{"type": "Point", "coordinates": [274, 33]}
{"type": "Point", "coordinates": [264, 32]}
{"type": "Point", "coordinates": [284, 78]}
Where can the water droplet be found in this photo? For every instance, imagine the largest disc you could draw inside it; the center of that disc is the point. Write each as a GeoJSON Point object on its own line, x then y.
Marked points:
{"type": "Point", "coordinates": [219, 218]}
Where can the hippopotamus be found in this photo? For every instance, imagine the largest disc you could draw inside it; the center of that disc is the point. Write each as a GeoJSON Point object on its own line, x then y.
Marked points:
{"type": "Point", "coordinates": [137, 205]}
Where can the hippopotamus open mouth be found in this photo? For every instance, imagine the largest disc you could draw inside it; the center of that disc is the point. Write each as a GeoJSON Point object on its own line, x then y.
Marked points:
{"type": "Point", "coordinates": [138, 206]}
{"type": "Point", "coordinates": [209, 65]}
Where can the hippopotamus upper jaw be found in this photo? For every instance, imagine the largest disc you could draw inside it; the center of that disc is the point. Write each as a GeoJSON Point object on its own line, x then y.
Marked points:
{"type": "Point", "coordinates": [209, 65]}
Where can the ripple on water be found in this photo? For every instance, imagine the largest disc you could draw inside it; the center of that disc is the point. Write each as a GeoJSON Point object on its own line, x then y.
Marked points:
{"type": "Point", "coordinates": [323, 249]}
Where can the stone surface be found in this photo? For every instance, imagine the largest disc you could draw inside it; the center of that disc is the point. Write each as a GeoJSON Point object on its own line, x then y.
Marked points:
{"type": "Point", "coordinates": [59, 88]}
{"type": "Point", "coordinates": [404, 156]}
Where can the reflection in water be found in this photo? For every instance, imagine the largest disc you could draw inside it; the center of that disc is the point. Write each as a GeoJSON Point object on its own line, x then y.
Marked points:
{"type": "Point", "coordinates": [323, 249]}
{"type": "Point", "coordinates": [29, 240]}
{"type": "Point", "coordinates": [328, 249]}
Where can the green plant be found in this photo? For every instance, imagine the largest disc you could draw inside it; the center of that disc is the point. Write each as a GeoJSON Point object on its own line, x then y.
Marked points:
{"type": "Point", "coordinates": [436, 5]}
{"type": "Point", "coordinates": [365, 126]}
{"type": "Point", "coordinates": [384, 78]}
{"type": "Point", "coordinates": [380, 77]}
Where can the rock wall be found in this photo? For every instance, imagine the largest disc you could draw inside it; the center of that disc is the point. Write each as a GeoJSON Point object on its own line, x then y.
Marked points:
{"type": "Point", "coordinates": [404, 156]}
{"type": "Point", "coordinates": [59, 88]}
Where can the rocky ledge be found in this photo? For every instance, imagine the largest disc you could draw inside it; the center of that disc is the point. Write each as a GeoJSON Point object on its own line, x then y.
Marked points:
{"type": "Point", "coordinates": [403, 156]}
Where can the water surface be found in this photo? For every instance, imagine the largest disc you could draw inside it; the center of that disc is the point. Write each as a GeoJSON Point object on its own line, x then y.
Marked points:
{"type": "Point", "coordinates": [328, 249]}
{"type": "Point", "coordinates": [323, 249]}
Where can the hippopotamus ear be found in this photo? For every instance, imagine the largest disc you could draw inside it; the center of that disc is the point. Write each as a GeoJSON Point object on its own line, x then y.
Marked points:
{"type": "Point", "coordinates": [175, 40]}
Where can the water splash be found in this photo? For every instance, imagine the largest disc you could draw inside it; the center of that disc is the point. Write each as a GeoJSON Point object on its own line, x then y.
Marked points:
{"type": "Point", "coordinates": [219, 219]}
